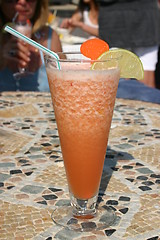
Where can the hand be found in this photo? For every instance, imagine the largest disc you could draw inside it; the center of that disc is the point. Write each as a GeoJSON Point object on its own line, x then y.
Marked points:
{"type": "Point", "coordinates": [71, 23]}
{"type": "Point", "coordinates": [65, 23]}
{"type": "Point", "coordinates": [75, 23]}
{"type": "Point", "coordinates": [16, 54]}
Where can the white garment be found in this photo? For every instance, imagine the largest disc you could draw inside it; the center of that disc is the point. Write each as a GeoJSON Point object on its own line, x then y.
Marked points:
{"type": "Point", "coordinates": [87, 21]}
{"type": "Point", "coordinates": [148, 56]}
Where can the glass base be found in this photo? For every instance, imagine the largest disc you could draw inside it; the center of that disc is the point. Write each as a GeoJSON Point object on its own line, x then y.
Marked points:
{"type": "Point", "coordinates": [19, 75]}
{"type": "Point", "coordinates": [103, 218]}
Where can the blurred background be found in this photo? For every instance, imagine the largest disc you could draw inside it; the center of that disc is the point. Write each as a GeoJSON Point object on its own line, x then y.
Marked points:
{"type": "Point", "coordinates": [64, 8]}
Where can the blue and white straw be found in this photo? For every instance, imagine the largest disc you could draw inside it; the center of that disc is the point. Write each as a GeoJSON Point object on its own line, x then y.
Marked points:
{"type": "Point", "coordinates": [33, 43]}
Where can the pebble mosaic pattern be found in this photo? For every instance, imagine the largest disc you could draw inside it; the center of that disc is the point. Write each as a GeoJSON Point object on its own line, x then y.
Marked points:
{"type": "Point", "coordinates": [33, 181]}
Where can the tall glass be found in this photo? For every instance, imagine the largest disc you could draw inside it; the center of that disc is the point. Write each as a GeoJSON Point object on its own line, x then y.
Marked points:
{"type": "Point", "coordinates": [26, 29]}
{"type": "Point", "coordinates": [83, 101]}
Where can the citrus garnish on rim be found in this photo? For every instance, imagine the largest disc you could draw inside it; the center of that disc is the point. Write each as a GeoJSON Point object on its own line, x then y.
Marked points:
{"type": "Point", "coordinates": [129, 63]}
{"type": "Point", "coordinates": [93, 48]}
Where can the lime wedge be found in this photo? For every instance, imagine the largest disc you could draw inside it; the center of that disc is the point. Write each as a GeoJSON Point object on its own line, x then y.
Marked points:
{"type": "Point", "coordinates": [129, 63]}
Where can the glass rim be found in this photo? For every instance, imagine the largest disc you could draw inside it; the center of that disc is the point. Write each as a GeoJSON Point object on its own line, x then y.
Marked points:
{"type": "Point", "coordinates": [76, 60]}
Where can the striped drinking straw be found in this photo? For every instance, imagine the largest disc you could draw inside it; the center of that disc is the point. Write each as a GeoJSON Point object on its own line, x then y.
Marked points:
{"type": "Point", "coordinates": [33, 43]}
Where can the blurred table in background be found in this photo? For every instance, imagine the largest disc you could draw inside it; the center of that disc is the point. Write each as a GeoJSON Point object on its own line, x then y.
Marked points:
{"type": "Point", "coordinates": [33, 181]}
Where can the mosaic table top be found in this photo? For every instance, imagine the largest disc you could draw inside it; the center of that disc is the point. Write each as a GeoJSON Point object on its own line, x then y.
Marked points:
{"type": "Point", "coordinates": [32, 176]}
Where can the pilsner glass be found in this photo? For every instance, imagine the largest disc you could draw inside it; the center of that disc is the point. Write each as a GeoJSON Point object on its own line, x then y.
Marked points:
{"type": "Point", "coordinates": [26, 29]}
{"type": "Point", "coordinates": [83, 101]}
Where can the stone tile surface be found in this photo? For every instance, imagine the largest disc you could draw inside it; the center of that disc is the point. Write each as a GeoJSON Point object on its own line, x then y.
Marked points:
{"type": "Point", "coordinates": [33, 180]}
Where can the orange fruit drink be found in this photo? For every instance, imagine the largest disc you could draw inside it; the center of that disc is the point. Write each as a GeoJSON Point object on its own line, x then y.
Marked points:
{"type": "Point", "coordinates": [83, 87]}
{"type": "Point", "coordinates": [83, 101]}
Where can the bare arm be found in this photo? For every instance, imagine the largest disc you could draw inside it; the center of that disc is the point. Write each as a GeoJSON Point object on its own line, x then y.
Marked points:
{"type": "Point", "coordinates": [66, 22]}
{"type": "Point", "coordinates": [55, 43]}
{"type": "Point", "coordinates": [91, 30]}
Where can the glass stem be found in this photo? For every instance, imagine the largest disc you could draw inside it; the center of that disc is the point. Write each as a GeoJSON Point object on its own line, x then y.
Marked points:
{"type": "Point", "coordinates": [22, 70]}
{"type": "Point", "coordinates": [83, 208]}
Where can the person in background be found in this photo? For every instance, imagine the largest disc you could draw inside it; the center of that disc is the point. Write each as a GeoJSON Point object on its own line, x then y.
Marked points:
{"type": "Point", "coordinates": [157, 71]}
{"type": "Point", "coordinates": [16, 54]}
{"type": "Point", "coordinates": [85, 18]}
{"type": "Point", "coordinates": [133, 25]}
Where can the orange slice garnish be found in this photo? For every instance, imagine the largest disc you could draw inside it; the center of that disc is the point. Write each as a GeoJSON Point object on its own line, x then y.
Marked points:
{"type": "Point", "coordinates": [93, 48]}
